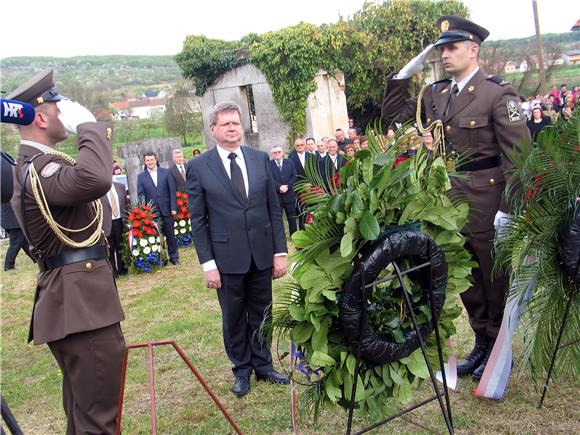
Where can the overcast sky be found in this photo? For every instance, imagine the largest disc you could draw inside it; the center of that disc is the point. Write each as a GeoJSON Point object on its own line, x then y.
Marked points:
{"type": "Point", "coordinates": [65, 28]}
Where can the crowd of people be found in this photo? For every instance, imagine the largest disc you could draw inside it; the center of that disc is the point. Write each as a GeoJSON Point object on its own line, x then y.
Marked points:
{"type": "Point", "coordinates": [543, 110]}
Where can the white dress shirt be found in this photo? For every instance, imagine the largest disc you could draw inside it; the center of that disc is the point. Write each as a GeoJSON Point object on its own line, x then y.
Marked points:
{"type": "Point", "coordinates": [302, 157]}
{"type": "Point", "coordinates": [461, 84]}
{"type": "Point", "coordinates": [153, 174]}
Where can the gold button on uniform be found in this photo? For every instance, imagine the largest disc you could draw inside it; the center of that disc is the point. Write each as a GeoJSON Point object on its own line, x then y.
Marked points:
{"type": "Point", "coordinates": [89, 266]}
{"type": "Point", "coordinates": [472, 123]}
{"type": "Point", "coordinates": [448, 128]}
{"type": "Point", "coordinates": [491, 181]}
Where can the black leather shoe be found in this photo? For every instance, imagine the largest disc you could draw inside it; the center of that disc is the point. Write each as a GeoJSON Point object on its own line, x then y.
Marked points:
{"type": "Point", "coordinates": [273, 377]}
{"type": "Point", "coordinates": [478, 372]}
{"type": "Point", "coordinates": [475, 358]}
{"type": "Point", "coordinates": [241, 386]}
{"type": "Point", "coordinates": [174, 262]}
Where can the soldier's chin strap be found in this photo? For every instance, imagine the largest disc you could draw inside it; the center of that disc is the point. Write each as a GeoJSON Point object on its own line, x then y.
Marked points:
{"type": "Point", "coordinates": [44, 208]}
{"type": "Point", "coordinates": [435, 128]}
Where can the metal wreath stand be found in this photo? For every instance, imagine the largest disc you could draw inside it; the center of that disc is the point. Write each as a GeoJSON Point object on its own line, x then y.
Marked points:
{"type": "Point", "coordinates": [419, 332]}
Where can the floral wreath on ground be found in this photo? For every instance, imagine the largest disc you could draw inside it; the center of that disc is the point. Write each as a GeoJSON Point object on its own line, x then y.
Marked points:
{"type": "Point", "coordinates": [144, 242]}
{"type": "Point", "coordinates": [377, 192]}
{"type": "Point", "coordinates": [182, 223]}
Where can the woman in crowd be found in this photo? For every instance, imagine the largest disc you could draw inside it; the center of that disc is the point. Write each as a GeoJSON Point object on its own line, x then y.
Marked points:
{"type": "Point", "coordinates": [537, 122]}
{"type": "Point", "coordinates": [553, 114]}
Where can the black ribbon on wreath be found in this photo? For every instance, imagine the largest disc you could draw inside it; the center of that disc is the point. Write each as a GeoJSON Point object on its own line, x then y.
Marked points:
{"type": "Point", "coordinates": [398, 244]}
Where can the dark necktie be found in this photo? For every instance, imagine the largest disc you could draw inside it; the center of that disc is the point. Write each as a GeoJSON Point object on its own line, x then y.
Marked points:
{"type": "Point", "coordinates": [182, 171]}
{"type": "Point", "coordinates": [454, 92]}
{"type": "Point", "coordinates": [237, 177]}
{"type": "Point", "coordinates": [279, 165]}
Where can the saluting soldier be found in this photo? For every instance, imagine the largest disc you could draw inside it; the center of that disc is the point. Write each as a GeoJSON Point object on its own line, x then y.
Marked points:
{"type": "Point", "coordinates": [481, 120]}
{"type": "Point", "coordinates": [56, 200]}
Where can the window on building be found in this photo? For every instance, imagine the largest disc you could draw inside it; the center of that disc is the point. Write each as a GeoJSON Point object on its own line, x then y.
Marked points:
{"type": "Point", "coordinates": [248, 98]}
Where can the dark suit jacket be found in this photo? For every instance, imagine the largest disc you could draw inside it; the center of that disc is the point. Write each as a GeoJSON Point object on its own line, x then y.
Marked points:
{"type": "Point", "coordinates": [224, 228]}
{"type": "Point", "coordinates": [162, 196]}
{"type": "Point", "coordinates": [107, 211]}
{"type": "Point", "coordinates": [180, 182]}
{"type": "Point", "coordinates": [327, 168]}
{"type": "Point", "coordinates": [287, 176]}
{"type": "Point", "coordinates": [293, 157]}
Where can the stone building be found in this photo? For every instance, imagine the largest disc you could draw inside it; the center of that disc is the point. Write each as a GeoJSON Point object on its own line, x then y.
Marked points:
{"type": "Point", "coordinates": [263, 127]}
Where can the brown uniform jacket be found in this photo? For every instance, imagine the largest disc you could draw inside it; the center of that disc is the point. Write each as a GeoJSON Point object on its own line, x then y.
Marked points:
{"type": "Point", "coordinates": [483, 121]}
{"type": "Point", "coordinates": [108, 212]}
{"type": "Point", "coordinates": [80, 296]}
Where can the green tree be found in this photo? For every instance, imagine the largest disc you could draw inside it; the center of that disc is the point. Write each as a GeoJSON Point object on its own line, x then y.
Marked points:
{"type": "Point", "coordinates": [182, 112]}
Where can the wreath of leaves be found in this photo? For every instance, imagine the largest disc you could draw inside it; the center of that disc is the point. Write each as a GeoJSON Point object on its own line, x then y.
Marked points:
{"type": "Point", "coordinates": [548, 175]}
{"type": "Point", "coordinates": [372, 195]}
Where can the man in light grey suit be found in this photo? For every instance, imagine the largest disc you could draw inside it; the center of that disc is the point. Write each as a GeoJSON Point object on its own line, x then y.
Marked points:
{"type": "Point", "coordinates": [238, 233]}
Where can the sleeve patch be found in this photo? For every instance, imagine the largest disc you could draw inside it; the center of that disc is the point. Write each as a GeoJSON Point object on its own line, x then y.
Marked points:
{"type": "Point", "coordinates": [513, 111]}
{"type": "Point", "coordinates": [50, 169]}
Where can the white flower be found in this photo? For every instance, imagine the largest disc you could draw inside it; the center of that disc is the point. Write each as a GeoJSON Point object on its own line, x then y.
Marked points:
{"type": "Point", "coordinates": [143, 242]}
{"type": "Point", "coordinates": [176, 232]}
{"type": "Point", "coordinates": [154, 248]}
{"type": "Point", "coordinates": [135, 252]}
{"type": "Point", "coordinates": [182, 231]}
{"type": "Point", "coordinates": [181, 223]}
{"type": "Point", "coordinates": [146, 250]}
{"type": "Point", "coordinates": [174, 223]}
{"type": "Point", "coordinates": [151, 240]}
{"type": "Point", "coordinates": [189, 222]}
{"type": "Point", "coordinates": [158, 239]}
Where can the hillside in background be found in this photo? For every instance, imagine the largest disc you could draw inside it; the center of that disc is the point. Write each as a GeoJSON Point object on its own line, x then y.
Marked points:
{"type": "Point", "coordinates": [117, 75]}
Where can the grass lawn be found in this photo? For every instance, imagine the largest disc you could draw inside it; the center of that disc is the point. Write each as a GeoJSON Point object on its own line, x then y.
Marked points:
{"type": "Point", "coordinates": [173, 304]}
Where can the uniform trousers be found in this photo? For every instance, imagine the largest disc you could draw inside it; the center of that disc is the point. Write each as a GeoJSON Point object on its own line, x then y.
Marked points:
{"type": "Point", "coordinates": [244, 300]}
{"type": "Point", "coordinates": [91, 365]}
{"type": "Point", "coordinates": [485, 299]}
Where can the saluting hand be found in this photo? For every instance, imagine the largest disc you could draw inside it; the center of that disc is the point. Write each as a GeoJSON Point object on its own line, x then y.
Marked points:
{"type": "Point", "coordinates": [279, 268]}
{"type": "Point", "coordinates": [212, 278]}
{"type": "Point", "coordinates": [416, 64]}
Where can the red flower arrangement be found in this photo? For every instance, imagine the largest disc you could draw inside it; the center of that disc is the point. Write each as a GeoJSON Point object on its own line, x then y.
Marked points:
{"type": "Point", "coordinates": [182, 224]}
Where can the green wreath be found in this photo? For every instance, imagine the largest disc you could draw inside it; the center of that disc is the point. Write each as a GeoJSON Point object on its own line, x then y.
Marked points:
{"type": "Point", "coordinates": [376, 190]}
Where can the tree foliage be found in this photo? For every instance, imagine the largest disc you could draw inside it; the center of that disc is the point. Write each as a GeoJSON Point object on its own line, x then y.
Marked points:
{"type": "Point", "coordinates": [182, 112]}
{"type": "Point", "coordinates": [377, 40]}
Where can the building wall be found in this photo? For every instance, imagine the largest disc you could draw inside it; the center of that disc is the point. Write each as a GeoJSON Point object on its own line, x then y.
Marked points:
{"type": "Point", "coordinates": [271, 129]}
{"type": "Point", "coordinates": [326, 110]}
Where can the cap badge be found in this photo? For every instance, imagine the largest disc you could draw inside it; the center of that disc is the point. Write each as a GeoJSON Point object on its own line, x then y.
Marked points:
{"type": "Point", "coordinates": [444, 26]}
{"type": "Point", "coordinates": [471, 88]}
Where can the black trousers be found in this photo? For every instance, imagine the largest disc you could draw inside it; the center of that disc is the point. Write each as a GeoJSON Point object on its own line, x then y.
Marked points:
{"type": "Point", "coordinates": [17, 242]}
{"type": "Point", "coordinates": [244, 299]}
{"type": "Point", "coordinates": [300, 214]}
{"type": "Point", "coordinates": [290, 210]}
{"type": "Point", "coordinates": [91, 365]}
{"type": "Point", "coordinates": [169, 233]}
{"type": "Point", "coordinates": [115, 240]}
{"type": "Point", "coordinates": [485, 299]}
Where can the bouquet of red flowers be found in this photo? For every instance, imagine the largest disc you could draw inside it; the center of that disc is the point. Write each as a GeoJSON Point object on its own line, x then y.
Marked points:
{"type": "Point", "coordinates": [143, 239]}
{"type": "Point", "coordinates": [182, 224]}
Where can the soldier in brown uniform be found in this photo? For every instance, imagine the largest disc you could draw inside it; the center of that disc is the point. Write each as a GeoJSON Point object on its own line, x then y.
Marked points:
{"type": "Point", "coordinates": [481, 121]}
{"type": "Point", "coordinates": [56, 200]}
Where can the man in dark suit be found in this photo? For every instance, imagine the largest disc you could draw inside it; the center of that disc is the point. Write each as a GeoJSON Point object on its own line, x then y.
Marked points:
{"type": "Point", "coordinates": [284, 174]}
{"type": "Point", "coordinates": [331, 163]}
{"type": "Point", "coordinates": [481, 119]}
{"type": "Point", "coordinates": [156, 184]}
{"type": "Point", "coordinates": [239, 237]}
{"type": "Point", "coordinates": [178, 170]}
{"type": "Point", "coordinates": [114, 214]}
{"type": "Point", "coordinates": [301, 160]}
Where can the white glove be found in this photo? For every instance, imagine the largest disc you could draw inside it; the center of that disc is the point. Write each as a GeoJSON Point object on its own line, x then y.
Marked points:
{"type": "Point", "coordinates": [72, 114]}
{"type": "Point", "coordinates": [500, 222]}
{"type": "Point", "coordinates": [416, 64]}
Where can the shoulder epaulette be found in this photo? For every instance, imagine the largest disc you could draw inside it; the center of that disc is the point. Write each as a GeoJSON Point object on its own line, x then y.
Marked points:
{"type": "Point", "coordinates": [498, 80]}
